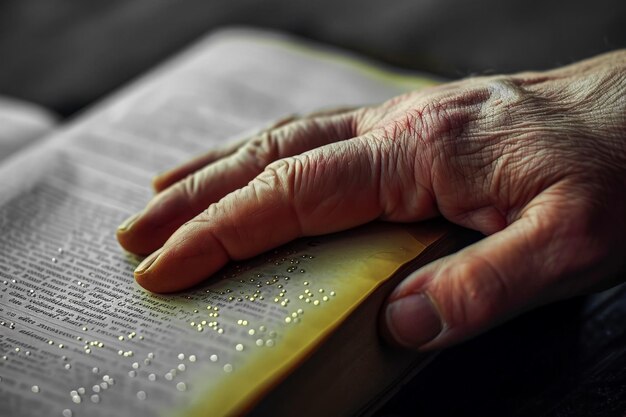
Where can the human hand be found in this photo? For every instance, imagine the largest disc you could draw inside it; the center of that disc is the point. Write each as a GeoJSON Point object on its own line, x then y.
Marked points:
{"type": "Point", "coordinates": [535, 161]}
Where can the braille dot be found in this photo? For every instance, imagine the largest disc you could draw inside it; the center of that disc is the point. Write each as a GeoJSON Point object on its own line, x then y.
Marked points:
{"type": "Point", "coordinates": [213, 358]}
{"type": "Point", "coordinates": [287, 319]}
{"type": "Point", "coordinates": [95, 388]}
{"type": "Point", "coordinates": [104, 385]}
{"type": "Point", "coordinates": [152, 377]}
{"type": "Point", "coordinates": [76, 399]}
{"type": "Point", "coordinates": [300, 311]}
{"type": "Point", "coordinates": [220, 331]}
{"type": "Point", "coordinates": [120, 338]}
{"type": "Point", "coordinates": [181, 386]}
{"type": "Point", "coordinates": [181, 367]}
{"type": "Point", "coordinates": [35, 389]}
{"type": "Point", "coordinates": [50, 342]}
{"type": "Point", "coordinates": [168, 376]}
{"type": "Point", "coordinates": [305, 283]}
{"type": "Point", "coordinates": [95, 370]}
{"type": "Point", "coordinates": [259, 342]}
{"type": "Point", "coordinates": [81, 390]}
{"type": "Point", "coordinates": [316, 302]}
{"type": "Point", "coordinates": [95, 398]}
{"type": "Point", "coordinates": [251, 332]}
{"type": "Point", "coordinates": [106, 378]}
{"type": "Point", "coordinates": [146, 361]}
{"type": "Point", "coordinates": [324, 298]}
{"type": "Point", "coordinates": [228, 368]}
{"type": "Point", "coordinates": [141, 395]}
{"type": "Point", "coordinates": [181, 356]}
{"type": "Point", "coordinates": [132, 374]}
{"type": "Point", "coordinates": [269, 343]}
{"type": "Point", "coordinates": [68, 366]}
{"type": "Point", "coordinates": [332, 293]}
{"type": "Point", "coordinates": [135, 365]}
{"type": "Point", "coordinates": [150, 355]}
{"type": "Point", "coordinates": [54, 260]}
{"type": "Point", "coordinates": [192, 358]}
{"type": "Point", "coordinates": [238, 347]}
{"type": "Point", "coordinates": [66, 413]}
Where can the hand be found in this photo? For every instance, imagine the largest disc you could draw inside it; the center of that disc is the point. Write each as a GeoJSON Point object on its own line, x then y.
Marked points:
{"type": "Point", "coordinates": [535, 161]}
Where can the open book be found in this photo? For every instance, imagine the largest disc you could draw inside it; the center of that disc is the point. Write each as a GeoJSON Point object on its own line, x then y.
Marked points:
{"type": "Point", "coordinates": [292, 332]}
{"type": "Point", "coordinates": [21, 123]}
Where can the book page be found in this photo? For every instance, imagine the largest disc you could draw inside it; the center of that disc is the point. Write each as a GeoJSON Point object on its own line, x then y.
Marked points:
{"type": "Point", "coordinates": [21, 123]}
{"type": "Point", "coordinates": [78, 337]}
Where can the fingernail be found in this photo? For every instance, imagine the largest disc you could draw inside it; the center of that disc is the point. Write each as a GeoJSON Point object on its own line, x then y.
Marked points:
{"type": "Point", "coordinates": [146, 263]}
{"type": "Point", "coordinates": [413, 320]}
{"type": "Point", "coordinates": [126, 224]}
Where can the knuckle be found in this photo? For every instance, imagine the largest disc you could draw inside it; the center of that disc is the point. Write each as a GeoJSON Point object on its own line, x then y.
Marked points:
{"type": "Point", "coordinates": [190, 187]}
{"type": "Point", "coordinates": [284, 175]}
{"type": "Point", "coordinates": [260, 151]}
{"type": "Point", "coordinates": [474, 293]}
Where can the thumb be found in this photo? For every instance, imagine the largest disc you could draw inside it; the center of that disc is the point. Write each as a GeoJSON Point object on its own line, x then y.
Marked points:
{"type": "Point", "coordinates": [506, 273]}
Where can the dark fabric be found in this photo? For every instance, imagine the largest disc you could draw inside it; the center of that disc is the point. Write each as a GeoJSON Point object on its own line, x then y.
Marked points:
{"type": "Point", "coordinates": [64, 54]}
{"type": "Point", "coordinates": [563, 360]}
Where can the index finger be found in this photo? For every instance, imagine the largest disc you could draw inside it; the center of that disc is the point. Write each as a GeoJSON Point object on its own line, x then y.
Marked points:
{"type": "Point", "coordinates": [167, 178]}
{"type": "Point", "coordinates": [331, 188]}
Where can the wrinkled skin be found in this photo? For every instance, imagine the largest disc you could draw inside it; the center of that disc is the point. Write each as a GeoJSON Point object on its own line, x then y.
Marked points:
{"type": "Point", "coordinates": [536, 161]}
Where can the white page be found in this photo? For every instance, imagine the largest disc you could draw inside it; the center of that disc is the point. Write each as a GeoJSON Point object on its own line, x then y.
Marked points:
{"type": "Point", "coordinates": [71, 313]}
{"type": "Point", "coordinates": [21, 123]}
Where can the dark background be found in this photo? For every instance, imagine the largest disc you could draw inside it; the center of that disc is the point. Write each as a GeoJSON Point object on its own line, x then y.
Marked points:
{"type": "Point", "coordinates": [64, 54]}
{"type": "Point", "coordinates": [567, 359]}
